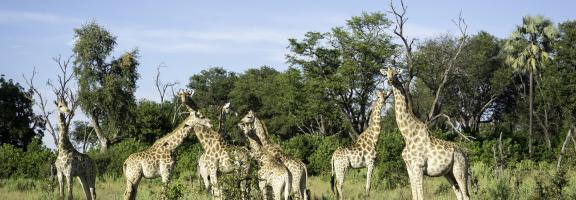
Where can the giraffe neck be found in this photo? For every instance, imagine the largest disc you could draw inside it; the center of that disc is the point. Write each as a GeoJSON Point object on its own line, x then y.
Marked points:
{"type": "Point", "coordinates": [221, 120]}
{"type": "Point", "coordinates": [405, 119]}
{"type": "Point", "coordinates": [262, 132]}
{"type": "Point", "coordinates": [63, 140]}
{"type": "Point", "coordinates": [372, 133]}
{"type": "Point", "coordinates": [173, 139]}
{"type": "Point", "coordinates": [207, 137]}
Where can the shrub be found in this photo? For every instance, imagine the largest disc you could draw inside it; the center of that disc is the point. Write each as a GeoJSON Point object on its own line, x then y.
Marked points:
{"type": "Point", "coordinates": [33, 163]}
{"type": "Point", "coordinates": [112, 161]}
{"type": "Point", "coordinates": [320, 159]}
{"type": "Point", "coordinates": [390, 169]}
{"type": "Point", "coordinates": [187, 160]}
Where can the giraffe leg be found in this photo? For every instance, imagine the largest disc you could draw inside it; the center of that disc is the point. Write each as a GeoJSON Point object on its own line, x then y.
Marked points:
{"type": "Point", "coordinates": [214, 184]}
{"type": "Point", "coordinates": [416, 175]}
{"type": "Point", "coordinates": [132, 183]}
{"type": "Point", "coordinates": [166, 178]}
{"type": "Point", "coordinates": [370, 168]}
{"type": "Point", "coordinates": [419, 176]}
{"type": "Point", "coordinates": [262, 186]}
{"type": "Point", "coordinates": [460, 172]}
{"type": "Point", "coordinates": [455, 186]}
{"type": "Point", "coordinates": [60, 184]}
{"type": "Point", "coordinates": [92, 183]}
{"type": "Point", "coordinates": [69, 185]}
{"type": "Point", "coordinates": [85, 186]}
{"type": "Point", "coordinates": [340, 172]}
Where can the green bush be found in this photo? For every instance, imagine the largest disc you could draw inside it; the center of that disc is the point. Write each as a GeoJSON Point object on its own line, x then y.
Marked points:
{"type": "Point", "coordinates": [112, 161]}
{"type": "Point", "coordinates": [187, 160]}
{"type": "Point", "coordinates": [33, 163]}
{"type": "Point", "coordinates": [320, 159]}
{"type": "Point", "coordinates": [390, 171]}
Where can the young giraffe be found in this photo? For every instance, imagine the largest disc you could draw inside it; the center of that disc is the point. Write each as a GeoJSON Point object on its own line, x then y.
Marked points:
{"type": "Point", "coordinates": [219, 157]}
{"type": "Point", "coordinates": [297, 167]}
{"type": "Point", "coordinates": [203, 159]}
{"type": "Point", "coordinates": [272, 172]}
{"type": "Point", "coordinates": [159, 159]}
{"type": "Point", "coordinates": [70, 162]}
{"type": "Point", "coordinates": [360, 154]}
{"type": "Point", "coordinates": [424, 154]}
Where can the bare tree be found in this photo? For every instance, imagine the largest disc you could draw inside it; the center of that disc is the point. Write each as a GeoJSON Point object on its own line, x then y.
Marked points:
{"type": "Point", "coordinates": [61, 90]}
{"type": "Point", "coordinates": [162, 87]}
{"type": "Point", "coordinates": [434, 113]}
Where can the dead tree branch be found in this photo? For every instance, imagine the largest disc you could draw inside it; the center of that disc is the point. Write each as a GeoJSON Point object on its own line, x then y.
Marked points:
{"type": "Point", "coordinates": [449, 121]}
{"type": "Point", "coordinates": [462, 27]}
{"type": "Point", "coordinates": [160, 86]}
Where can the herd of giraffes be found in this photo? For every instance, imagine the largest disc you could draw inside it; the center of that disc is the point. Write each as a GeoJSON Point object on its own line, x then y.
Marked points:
{"type": "Point", "coordinates": [284, 174]}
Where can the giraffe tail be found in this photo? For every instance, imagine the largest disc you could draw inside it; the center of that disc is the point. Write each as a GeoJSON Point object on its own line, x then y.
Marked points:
{"type": "Point", "coordinates": [332, 176]}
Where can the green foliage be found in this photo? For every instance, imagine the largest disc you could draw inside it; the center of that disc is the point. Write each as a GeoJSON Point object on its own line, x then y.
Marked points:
{"type": "Point", "coordinates": [112, 161]}
{"type": "Point", "coordinates": [18, 120]}
{"type": "Point", "coordinates": [35, 162]}
{"type": "Point", "coordinates": [390, 170]}
{"type": "Point", "coordinates": [106, 85]}
{"type": "Point", "coordinates": [187, 156]}
{"type": "Point", "coordinates": [344, 63]}
{"type": "Point", "coordinates": [152, 121]}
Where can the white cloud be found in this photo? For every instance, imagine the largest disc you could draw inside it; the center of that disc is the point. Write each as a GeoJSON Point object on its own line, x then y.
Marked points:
{"type": "Point", "coordinates": [7, 16]}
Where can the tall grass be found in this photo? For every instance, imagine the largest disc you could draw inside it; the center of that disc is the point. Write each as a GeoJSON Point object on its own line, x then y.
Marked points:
{"type": "Point", "coordinates": [523, 180]}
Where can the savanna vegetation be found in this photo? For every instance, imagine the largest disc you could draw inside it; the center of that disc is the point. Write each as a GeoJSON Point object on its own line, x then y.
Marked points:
{"type": "Point", "coordinates": [509, 101]}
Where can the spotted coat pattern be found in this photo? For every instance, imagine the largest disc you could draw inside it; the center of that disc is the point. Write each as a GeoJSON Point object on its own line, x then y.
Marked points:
{"type": "Point", "coordinates": [424, 154]}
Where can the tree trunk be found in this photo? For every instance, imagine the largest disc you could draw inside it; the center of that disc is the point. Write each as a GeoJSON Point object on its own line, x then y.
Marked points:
{"type": "Point", "coordinates": [544, 126]}
{"type": "Point", "coordinates": [563, 150]}
{"type": "Point", "coordinates": [530, 148]}
{"type": "Point", "coordinates": [103, 140]}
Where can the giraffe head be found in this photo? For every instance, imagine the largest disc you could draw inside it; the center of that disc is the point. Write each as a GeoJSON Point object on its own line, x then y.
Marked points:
{"type": "Point", "coordinates": [62, 105]}
{"type": "Point", "coordinates": [250, 134]}
{"type": "Point", "coordinates": [226, 109]}
{"type": "Point", "coordinates": [185, 96]}
{"type": "Point", "coordinates": [196, 118]}
{"type": "Point", "coordinates": [390, 73]}
{"type": "Point", "coordinates": [249, 118]}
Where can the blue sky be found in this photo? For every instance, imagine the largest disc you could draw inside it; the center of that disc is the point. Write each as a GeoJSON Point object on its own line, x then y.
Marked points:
{"type": "Point", "coordinates": [189, 36]}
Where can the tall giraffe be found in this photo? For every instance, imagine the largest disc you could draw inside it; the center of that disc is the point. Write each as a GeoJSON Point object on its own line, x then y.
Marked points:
{"type": "Point", "coordinates": [297, 167]}
{"type": "Point", "coordinates": [219, 156]}
{"type": "Point", "coordinates": [203, 159]}
{"type": "Point", "coordinates": [70, 162]}
{"type": "Point", "coordinates": [361, 153]}
{"type": "Point", "coordinates": [158, 160]}
{"type": "Point", "coordinates": [424, 154]}
{"type": "Point", "coordinates": [272, 171]}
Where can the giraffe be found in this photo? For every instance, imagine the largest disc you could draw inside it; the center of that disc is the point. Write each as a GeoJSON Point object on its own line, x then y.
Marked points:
{"type": "Point", "coordinates": [362, 153]}
{"type": "Point", "coordinates": [158, 160]}
{"type": "Point", "coordinates": [272, 171]}
{"type": "Point", "coordinates": [424, 154]}
{"type": "Point", "coordinates": [203, 159]}
{"type": "Point", "coordinates": [70, 162]}
{"type": "Point", "coordinates": [296, 167]}
{"type": "Point", "coordinates": [218, 156]}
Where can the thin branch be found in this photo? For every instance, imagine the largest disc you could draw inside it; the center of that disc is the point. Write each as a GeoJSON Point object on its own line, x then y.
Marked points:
{"type": "Point", "coordinates": [42, 104]}
{"type": "Point", "coordinates": [449, 121]}
{"type": "Point", "coordinates": [462, 27]}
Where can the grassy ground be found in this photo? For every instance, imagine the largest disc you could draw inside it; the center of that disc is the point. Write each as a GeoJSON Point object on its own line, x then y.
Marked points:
{"type": "Point", "coordinates": [514, 184]}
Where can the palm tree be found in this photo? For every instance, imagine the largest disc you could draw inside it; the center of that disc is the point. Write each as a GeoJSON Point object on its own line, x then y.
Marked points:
{"type": "Point", "coordinates": [527, 50]}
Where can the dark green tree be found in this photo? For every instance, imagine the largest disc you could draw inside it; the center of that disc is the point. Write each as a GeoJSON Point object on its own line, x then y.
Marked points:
{"type": "Point", "coordinates": [345, 63]}
{"type": "Point", "coordinates": [565, 50]}
{"type": "Point", "coordinates": [106, 85]}
{"type": "Point", "coordinates": [18, 124]}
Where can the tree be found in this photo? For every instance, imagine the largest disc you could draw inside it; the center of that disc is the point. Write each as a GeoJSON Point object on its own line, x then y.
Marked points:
{"type": "Point", "coordinates": [528, 51]}
{"type": "Point", "coordinates": [18, 124]}
{"type": "Point", "coordinates": [472, 93]}
{"type": "Point", "coordinates": [345, 63]}
{"type": "Point", "coordinates": [106, 88]}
